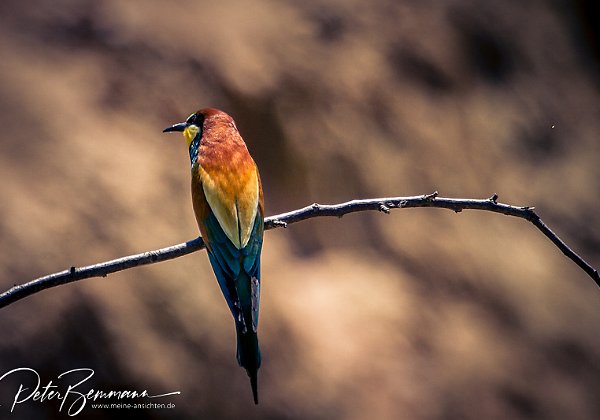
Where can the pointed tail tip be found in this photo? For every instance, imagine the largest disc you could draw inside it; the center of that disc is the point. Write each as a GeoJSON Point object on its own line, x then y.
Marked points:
{"type": "Point", "coordinates": [254, 385]}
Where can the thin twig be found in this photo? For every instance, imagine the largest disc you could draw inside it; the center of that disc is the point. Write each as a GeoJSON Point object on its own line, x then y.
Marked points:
{"type": "Point", "coordinates": [283, 220]}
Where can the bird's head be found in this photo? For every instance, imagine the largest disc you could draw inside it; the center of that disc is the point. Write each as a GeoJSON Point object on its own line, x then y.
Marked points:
{"type": "Point", "coordinates": [191, 128]}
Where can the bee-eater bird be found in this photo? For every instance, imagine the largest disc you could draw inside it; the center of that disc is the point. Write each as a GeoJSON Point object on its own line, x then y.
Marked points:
{"type": "Point", "coordinates": [228, 203]}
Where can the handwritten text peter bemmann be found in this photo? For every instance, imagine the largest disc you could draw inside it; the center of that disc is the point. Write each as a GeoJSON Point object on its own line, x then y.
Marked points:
{"type": "Point", "coordinates": [70, 395]}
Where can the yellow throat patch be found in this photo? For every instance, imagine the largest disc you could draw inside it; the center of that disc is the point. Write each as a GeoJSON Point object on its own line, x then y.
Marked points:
{"type": "Point", "coordinates": [189, 133]}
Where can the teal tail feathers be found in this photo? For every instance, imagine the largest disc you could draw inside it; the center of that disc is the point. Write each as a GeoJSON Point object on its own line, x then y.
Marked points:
{"type": "Point", "coordinates": [248, 357]}
{"type": "Point", "coordinates": [254, 385]}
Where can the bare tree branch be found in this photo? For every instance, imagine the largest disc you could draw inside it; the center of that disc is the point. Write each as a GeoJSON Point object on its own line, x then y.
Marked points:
{"type": "Point", "coordinates": [283, 220]}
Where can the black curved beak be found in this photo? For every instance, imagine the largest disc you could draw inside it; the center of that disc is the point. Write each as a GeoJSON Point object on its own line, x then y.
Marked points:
{"type": "Point", "coordinates": [176, 127]}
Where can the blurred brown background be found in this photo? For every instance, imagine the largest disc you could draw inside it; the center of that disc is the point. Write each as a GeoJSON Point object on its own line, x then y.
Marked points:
{"type": "Point", "coordinates": [421, 314]}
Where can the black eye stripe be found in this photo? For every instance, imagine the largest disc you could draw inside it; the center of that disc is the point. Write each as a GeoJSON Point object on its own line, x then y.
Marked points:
{"type": "Point", "coordinates": [196, 119]}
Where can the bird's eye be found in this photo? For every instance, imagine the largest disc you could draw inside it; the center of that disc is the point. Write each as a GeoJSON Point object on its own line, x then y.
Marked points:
{"type": "Point", "coordinates": [196, 119]}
